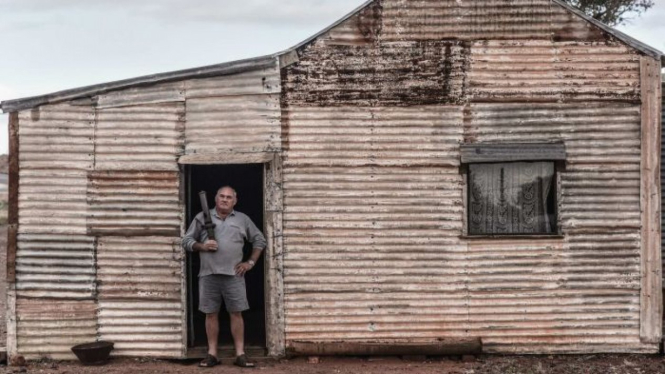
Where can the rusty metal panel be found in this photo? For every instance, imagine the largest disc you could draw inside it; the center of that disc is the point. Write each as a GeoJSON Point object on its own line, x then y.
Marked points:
{"type": "Point", "coordinates": [600, 186]}
{"type": "Point", "coordinates": [583, 289]}
{"type": "Point", "coordinates": [54, 255]}
{"type": "Point", "coordinates": [387, 74]}
{"type": "Point", "coordinates": [373, 208]}
{"type": "Point", "coordinates": [161, 93]}
{"type": "Point", "coordinates": [567, 25]}
{"type": "Point", "coordinates": [50, 329]}
{"type": "Point", "coordinates": [55, 266]}
{"type": "Point", "coordinates": [130, 203]}
{"type": "Point", "coordinates": [364, 136]}
{"type": "Point", "coordinates": [55, 258]}
{"type": "Point", "coordinates": [546, 70]}
{"type": "Point", "coordinates": [373, 230]}
{"type": "Point", "coordinates": [56, 137]}
{"type": "Point", "coordinates": [483, 20]}
{"type": "Point", "coordinates": [254, 82]}
{"type": "Point", "coordinates": [361, 28]}
{"type": "Point", "coordinates": [146, 137]}
{"type": "Point", "coordinates": [466, 20]}
{"type": "Point", "coordinates": [237, 124]}
{"type": "Point", "coordinates": [140, 302]}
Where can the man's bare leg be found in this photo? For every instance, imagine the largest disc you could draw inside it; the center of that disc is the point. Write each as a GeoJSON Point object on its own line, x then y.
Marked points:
{"type": "Point", "coordinates": [212, 332]}
{"type": "Point", "coordinates": [238, 332]}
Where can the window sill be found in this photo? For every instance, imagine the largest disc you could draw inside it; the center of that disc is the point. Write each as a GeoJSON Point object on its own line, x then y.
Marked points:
{"type": "Point", "coordinates": [512, 237]}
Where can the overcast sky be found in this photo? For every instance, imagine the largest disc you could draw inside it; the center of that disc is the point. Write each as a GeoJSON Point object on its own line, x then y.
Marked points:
{"type": "Point", "coordinates": [51, 45]}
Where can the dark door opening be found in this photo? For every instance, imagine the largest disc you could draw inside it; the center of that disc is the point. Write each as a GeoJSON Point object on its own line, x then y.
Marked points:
{"type": "Point", "coordinates": [247, 180]}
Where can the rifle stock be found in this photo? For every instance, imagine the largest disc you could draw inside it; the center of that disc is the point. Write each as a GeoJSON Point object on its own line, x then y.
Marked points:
{"type": "Point", "coordinates": [207, 220]}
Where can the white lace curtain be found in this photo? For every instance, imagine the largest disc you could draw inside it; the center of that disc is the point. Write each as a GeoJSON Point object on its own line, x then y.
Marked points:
{"type": "Point", "coordinates": [511, 198]}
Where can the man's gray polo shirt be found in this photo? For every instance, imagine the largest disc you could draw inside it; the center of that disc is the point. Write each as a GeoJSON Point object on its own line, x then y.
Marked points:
{"type": "Point", "coordinates": [230, 234]}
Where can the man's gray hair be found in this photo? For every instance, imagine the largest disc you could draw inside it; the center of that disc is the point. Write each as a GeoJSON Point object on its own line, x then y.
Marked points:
{"type": "Point", "coordinates": [235, 194]}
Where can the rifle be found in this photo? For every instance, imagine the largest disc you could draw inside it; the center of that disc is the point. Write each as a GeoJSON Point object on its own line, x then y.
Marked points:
{"type": "Point", "coordinates": [208, 225]}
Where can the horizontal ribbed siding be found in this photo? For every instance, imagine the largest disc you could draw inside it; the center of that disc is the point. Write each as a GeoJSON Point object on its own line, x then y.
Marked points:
{"type": "Point", "coordinates": [50, 329]}
{"type": "Point", "coordinates": [483, 19]}
{"type": "Point", "coordinates": [134, 203]}
{"type": "Point", "coordinates": [56, 137]}
{"type": "Point", "coordinates": [361, 28]}
{"type": "Point", "coordinates": [142, 329]}
{"type": "Point", "coordinates": [54, 256]}
{"type": "Point", "coordinates": [140, 306]}
{"type": "Point", "coordinates": [139, 268]}
{"type": "Point", "coordinates": [146, 137]}
{"type": "Point", "coordinates": [55, 266]}
{"type": "Point", "coordinates": [161, 93]}
{"type": "Point", "coordinates": [362, 136]}
{"type": "Point", "coordinates": [374, 216]}
{"type": "Point", "coordinates": [257, 82]}
{"type": "Point", "coordinates": [135, 211]}
{"type": "Point", "coordinates": [248, 123]}
{"type": "Point", "coordinates": [388, 74]}
{"type": "Point", "coordinates": [544, 70]}
{"type": "Point", "coordinates": [599, 214]}
{"type": "Point", "coordinates": [372, 196]}
{"type": "Point", "coordinates": [237, 113]}
{"type": "Point", "coordinates": [472, 19]}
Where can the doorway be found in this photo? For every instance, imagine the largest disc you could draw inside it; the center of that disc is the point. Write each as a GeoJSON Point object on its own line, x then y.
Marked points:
{"type": "Point", "coordinates": [247, 180]}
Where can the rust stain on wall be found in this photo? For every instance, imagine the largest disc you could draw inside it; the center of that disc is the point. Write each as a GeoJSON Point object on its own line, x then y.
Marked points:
{"type": "Point", "coordinates": [405, 73]}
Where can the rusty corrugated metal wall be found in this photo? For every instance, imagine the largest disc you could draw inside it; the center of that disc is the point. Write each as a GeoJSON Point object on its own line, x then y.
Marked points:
{"type": "Point", "coordinates": [135, 218]}
{"type": "Point", "coordinates": [237, 114]}
{"type": "Point", "coordinates": [369, 123]}
{"type": "Point", "coordinates": [55, 257]}
{"type": "Point", "coordinates": [374, 241]}
{"type": "Point", "coordinates": [101, 211]}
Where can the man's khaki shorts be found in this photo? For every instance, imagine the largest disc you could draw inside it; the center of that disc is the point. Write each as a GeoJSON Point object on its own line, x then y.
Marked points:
{"type": "Point", "coordinates": [217, 287]}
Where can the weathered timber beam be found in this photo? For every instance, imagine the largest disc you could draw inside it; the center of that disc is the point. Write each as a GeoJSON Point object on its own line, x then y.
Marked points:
{"type": "Point", "coordinates": [226, 158]}
{"type": "Point", "coordinates": [443, 347]}
{"type": "Point", "coordinates": [12, 217]}
{"type": "Point", "coordinates": [651, 293]}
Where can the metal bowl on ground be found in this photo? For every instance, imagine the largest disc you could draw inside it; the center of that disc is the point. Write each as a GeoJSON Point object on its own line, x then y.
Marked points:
{"type": "Point", "coordinates": [96, 353]}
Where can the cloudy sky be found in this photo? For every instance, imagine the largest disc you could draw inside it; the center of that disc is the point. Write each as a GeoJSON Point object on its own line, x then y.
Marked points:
{"type": "Point", "coordinates": [51, 45]}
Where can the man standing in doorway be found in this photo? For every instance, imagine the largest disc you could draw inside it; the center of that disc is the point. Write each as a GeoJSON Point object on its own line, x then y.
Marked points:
{"type": "Point", "coordinates": [221, 276]}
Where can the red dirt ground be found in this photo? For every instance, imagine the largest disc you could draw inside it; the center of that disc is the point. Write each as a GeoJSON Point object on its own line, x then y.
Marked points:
{"type": "Point", "coordinates": [578, 364]}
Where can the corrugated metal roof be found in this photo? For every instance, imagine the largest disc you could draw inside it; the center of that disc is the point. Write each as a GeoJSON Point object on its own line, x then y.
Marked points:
{"type": "Point", "coordinates": [240, 66]}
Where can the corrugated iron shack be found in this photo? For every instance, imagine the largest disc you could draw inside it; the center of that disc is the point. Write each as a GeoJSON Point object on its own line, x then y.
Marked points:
{"type": "Point", "coordinates": [381, 143]}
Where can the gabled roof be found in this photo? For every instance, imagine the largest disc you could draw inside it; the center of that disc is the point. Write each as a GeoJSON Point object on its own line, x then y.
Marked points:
{"type": "Point", "coordinates": [257, 63]}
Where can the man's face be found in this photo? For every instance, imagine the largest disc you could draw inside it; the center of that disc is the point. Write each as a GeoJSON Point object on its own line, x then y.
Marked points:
{"type": "Point", "coordinates": [225, 200]}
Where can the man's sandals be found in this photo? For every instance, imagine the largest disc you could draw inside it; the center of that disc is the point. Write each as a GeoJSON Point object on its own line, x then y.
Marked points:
{"type": "Point", "coordinates": [242, 362]}
{"type": "Point", "coordinates": [209, 361]}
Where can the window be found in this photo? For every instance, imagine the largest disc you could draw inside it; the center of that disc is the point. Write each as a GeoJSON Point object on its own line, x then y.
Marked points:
{"type": "Point", "coordinates": [511, 189]}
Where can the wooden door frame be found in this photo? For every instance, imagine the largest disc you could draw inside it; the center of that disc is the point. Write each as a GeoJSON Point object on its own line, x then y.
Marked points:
{"type": "Point", "coordinates": [273, 205]}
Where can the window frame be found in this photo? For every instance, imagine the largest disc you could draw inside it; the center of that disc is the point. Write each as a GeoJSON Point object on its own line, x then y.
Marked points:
{"type": "Point", "coordinates": [481, 153]}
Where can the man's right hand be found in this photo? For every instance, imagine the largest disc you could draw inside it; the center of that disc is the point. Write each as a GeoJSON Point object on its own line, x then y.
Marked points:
{"type": "Point", "coordinates": [208, 246]}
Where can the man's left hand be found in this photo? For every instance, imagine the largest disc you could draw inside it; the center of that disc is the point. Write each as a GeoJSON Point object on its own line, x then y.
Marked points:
{"type": "Point", "coordinates": [242, 268]}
